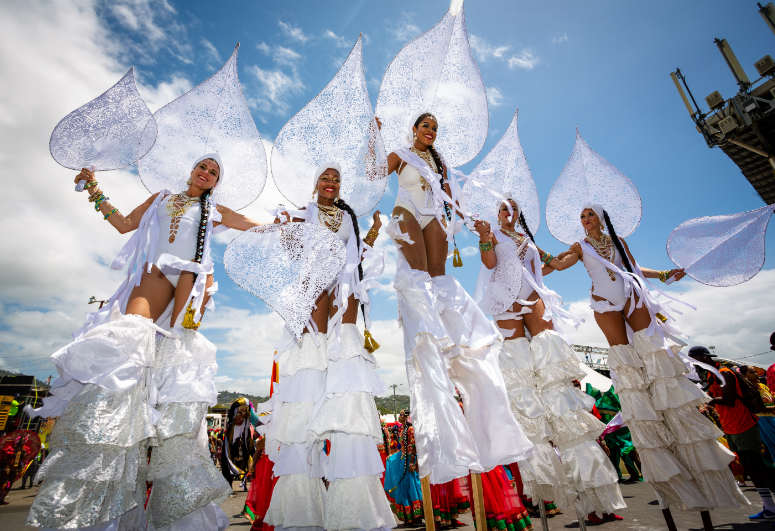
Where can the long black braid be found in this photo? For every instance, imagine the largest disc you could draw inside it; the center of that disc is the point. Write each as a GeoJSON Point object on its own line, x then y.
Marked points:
{"type": "Point", "coordinates": [405, 445]}
{"type": "Point", "coordinates": [339, 203]}
{"type": "Point", "coordinates": [617, 242]}
{"type": "Point", "coordinates": [204, 204]}
{"type": "Point", "coordinates": [437, 160]}
{"type": "Point", "coordinates": [525, 227]}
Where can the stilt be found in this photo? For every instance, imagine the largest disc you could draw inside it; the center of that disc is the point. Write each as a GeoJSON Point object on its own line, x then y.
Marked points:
{"type": "Point", "coordinates": [478, 501]}
{"type": "Point", "coordinates": [542, 512]}
{"type": "Point", "coordinates": [427, 504]}
{"type": "Point", "coordinates": [669, 520]}
{"type": "Point", "coordinates": [707, 523]}
{"type": "Point", "coordinates": [582, 521]}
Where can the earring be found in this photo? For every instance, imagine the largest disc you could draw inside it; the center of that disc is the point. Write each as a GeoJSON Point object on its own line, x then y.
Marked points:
{"type": "Point", "coordinates": [189, 181]}
{"type": "Point", "coordinates": [602, 227]}
{"type": "Point", "coordinates": [314, 192]}
{"type": "Point", "coordinates": [586, 232]}
{"type": "Point", "coordinates": [414, 137]}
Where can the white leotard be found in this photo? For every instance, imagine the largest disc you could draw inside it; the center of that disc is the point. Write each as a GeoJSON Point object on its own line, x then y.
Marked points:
{"type": "Point", "coordinates": [526, 256]}
{"type": "Point", "coordinates": [410, 180]}
{"type": "Point", "coordinates": [184, 245]}
{"type": "Point", "coordinates": [344, 232]}
{"type": "Point", "coordinates": [602, 285]}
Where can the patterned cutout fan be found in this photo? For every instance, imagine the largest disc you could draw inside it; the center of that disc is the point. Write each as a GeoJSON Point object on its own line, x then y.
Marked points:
{"type": "Point", "coordinates": [213, 117]}
{"type": "Point", "coordinates": [436, 72]}
{"type": "Point", "coordinates": [338, 125]}
{"type": "Point", "coordinates": [721, 250]}
{"type": "Point", "coordinates": [106, 133]}
{"type": "Point", "coordinates": [589, 178]}
{"type": "Point", "coordinates": [510, 174]}
{"type": "Point", "coordinates": [287, 266]}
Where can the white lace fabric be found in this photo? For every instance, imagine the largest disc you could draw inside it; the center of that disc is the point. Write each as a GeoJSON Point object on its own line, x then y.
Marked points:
{"type": "Point", "coordinates": [589, 178]}
{"type": "Point", "coordinates": [436, 72]}
{"type": "Point", "coordinates": [106, 133]}
{"type": "Point", "coordinates": [721, 250]}
{"type": "Point", "coordinates": [336, 126]}
{"type": "Point", "coordinates": [504, 170]}
{"type": "Point", "coordinates": [287, 266]}
{"type": "Point", "coordinates": [213, 117]}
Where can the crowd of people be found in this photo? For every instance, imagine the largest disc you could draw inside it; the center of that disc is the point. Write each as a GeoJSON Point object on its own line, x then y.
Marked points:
{"type": "Point", "coordinates": [496, 402]}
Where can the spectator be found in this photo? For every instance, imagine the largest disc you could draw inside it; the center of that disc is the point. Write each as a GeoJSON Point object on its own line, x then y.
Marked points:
{"type": "Point", "coordinates": [31, 471]}
{"type": "Point", "coordinates": [767, 417]}
{"type": "Point", "coordinates": [736, 402]}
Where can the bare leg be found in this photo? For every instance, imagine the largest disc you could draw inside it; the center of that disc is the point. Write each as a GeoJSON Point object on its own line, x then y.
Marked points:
{"type": "Point", "coordinates": [612, 325]}
{"type": "Point", "coordinates": [415, 252]}
{"type": "Point", "coordinates": [152, 296]}
{"type": "Point", "coordinates": [535, 321]}
{"type": "Point", "coordinates": [351, 314]}
{"type": "Point", "coordinates": [518, 325]}
{"type": "Point", "coordinates": [183, 291]}
{"type": "Point", "coordinates": [640, 318]}
{"type": "Point", "coordinates": [436, 248]}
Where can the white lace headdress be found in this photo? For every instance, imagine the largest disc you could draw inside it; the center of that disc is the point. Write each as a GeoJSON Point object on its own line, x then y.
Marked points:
{"type": "Point", "coordinates": [437, 73]}
{"type": "Point", "coordinates": [106, 133]}
{"type": "Point", "coordinates": [588, 178]}
{"type": "Point", "coordinates": [504, 170]}
{"type": "Point", "coordinates": [337, 125]}
{"type": "Point", "coordinates": [213, 117]}
{"type": "Point", "coordinates": [721, 250]}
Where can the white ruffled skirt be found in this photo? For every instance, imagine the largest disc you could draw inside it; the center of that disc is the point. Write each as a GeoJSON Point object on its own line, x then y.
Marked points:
{"type": "Point", "coordinates": [678, 446]}
{"type": "Point", "coordinates": [452, 348]}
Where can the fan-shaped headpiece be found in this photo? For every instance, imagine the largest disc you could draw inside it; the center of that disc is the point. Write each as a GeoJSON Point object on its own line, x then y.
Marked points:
{"type": "Point", "coordinates": [106, 133]}
{"type": "Point", "coordinates": [721, 250]}
{"type": "Point", "coordinates": [589, 178]}
{"type": "Point", "coordinates": [338, 125]}
{"type": "Point", "coordinates": [504, 170]}
{"type": "Point", "coordinates": [437, 73]}
{"type": "Point", "coordinates": [287, 266]}
{"type": "Point", "coordinates": [213, 117]}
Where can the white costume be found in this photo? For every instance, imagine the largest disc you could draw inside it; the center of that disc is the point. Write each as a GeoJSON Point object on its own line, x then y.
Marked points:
{"type": "Point", "coordinates": [539, 373]}
{"type": "Point", "coordinates": [121, 390]}
{"type": "Point", "coordinates": [449, 344]}
{"type": "Point", "coordinates": [677, 445]}
{"type": "Point", "coordinates": [329, 380]}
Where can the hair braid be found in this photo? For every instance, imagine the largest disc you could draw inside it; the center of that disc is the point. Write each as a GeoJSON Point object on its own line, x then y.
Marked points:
{"type": "Point", "coordinates": [204, 203]}
{"type": "Point", "coordinates": [617, 242]}
{"type": "Point", "coordinates": [340, 203]}
{"type": "Point", "coordinates": [525, 227]}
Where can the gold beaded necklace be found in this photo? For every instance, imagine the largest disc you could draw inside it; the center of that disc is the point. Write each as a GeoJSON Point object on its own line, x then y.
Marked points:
{"type": "Point", "coordinates": [428, 158]}
{"type": "Point", "coordinates": [518, 239]}
{"type": "Point", "coordinates": [330, 216]}
{"type": "Point", "coordinates": [605, 248]}
{"type": "Point", "coordinates": [177, 206]}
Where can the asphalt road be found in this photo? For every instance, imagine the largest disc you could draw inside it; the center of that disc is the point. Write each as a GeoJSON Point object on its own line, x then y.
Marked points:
{"type": "Point", "coordinates": [642, 513]}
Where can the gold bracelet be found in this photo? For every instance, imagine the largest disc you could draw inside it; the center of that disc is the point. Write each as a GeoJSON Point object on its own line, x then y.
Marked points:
{"type": "Point", "coordinates": [372, 235]}
{"type": "Point", "coordinates": [94, 195]}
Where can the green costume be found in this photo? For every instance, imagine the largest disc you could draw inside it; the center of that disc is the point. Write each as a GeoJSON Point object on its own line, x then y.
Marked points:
{"type": "Point", "coordinates": [620, 441]}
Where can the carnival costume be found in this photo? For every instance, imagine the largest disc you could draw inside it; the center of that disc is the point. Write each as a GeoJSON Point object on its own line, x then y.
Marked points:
{"type": "Point", "coordinates": [504, 508]}
{"type": "Point", "coordinates": [446, 337]}
{"type": "Point", "coordinates": [120, 389]}
{"type": "Point", "coordinates": [677, 445]}
{"type": "Point", "coordinates": [329, 380]}
{"type": "Point", "coordinates": [538, 372]}
{"type": "Point", "coordinates": [238, 444]}
{"type": "Point", "coordinates": [402, 484]}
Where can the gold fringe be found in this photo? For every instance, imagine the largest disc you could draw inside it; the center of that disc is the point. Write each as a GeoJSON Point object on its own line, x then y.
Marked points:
{"type": "Point", "coordinates": [369, 344]}
{"type": "Point", "coordinates": [661, 317]}
{"type": "Point", "coordinates": [188, 319]}
{"type": "Point", "coordinates": [456, 260]}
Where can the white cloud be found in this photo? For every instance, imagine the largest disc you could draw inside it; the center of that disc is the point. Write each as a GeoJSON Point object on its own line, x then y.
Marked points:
{"type": "Point", "coordinates": [339, 42]}
{"type": "Point", "coordinates": [277, 87]}
{"type": "Point", "coordinates": [494, 96]}
{"type": "Point", "coordinates": [403, 29]}
{"type": "Point", "coordinates": [469, 251]}
{"type": "Point", "coordinates": [560, 38]}
{"type": "Point", "coordinates": [525, 59]}
{"type": "Point", "coordinates": [280, 54]}
{"type": "Point", "coordinates": [211, 51]}
{"type": "Point", "coordinates": [293, 32]}
{"type": "Point", "coordinates": [153, 26]}
{"type": "Point", "coordinates": [163, 93]}
{"type": "Point", "coordinates": [485, 50]}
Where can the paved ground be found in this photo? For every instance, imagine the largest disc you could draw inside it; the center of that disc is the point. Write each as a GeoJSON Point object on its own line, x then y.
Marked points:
{"type": "Point", "coordinates": [642, 514]}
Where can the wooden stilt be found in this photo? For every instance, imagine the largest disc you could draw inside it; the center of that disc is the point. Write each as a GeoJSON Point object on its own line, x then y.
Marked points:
{"type": "Point", "coordinates": [427, 504]}
{"type": "Point", "coordinates": [582, 521]}
{"type": "Point", "coordinates": [707, 523]}
{"type": "Point", "coordinates": [669, 520]}
{"type": "Point", "coordinates": [478, 502]}
{"type": "Point", "coordinates": [542, 512]}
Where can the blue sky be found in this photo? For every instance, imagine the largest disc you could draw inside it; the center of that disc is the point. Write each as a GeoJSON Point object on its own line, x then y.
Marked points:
{"type": "Point", "coordinates": [600, 66]}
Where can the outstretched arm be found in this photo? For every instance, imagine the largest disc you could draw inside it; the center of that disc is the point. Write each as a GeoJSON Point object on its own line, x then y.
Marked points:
{"type": "Point", "coordinates": [487, 252]}
{"type": "Point", "coordinates": [651, 273]}
{"type": "Point", "coordinates": [235, 220]}
{"type": "Point", "coordinates": [567, 259]}
{"type": "Point", "coordinates": [121, 223]}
